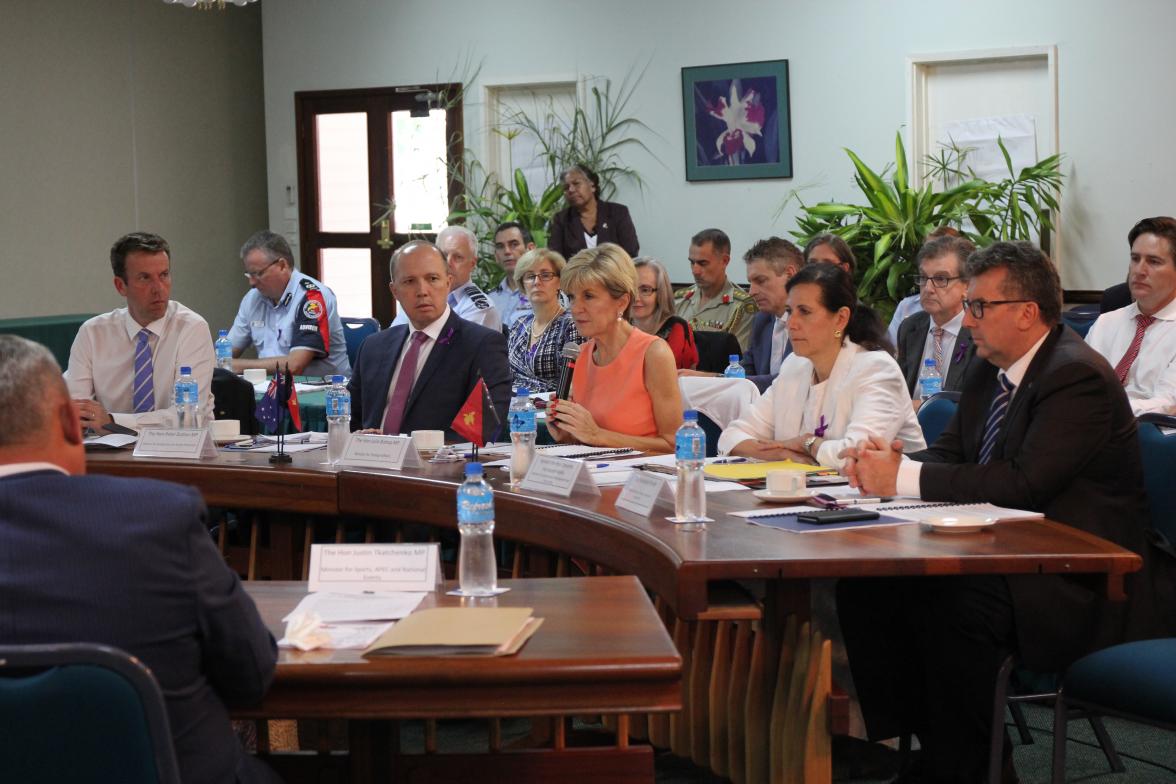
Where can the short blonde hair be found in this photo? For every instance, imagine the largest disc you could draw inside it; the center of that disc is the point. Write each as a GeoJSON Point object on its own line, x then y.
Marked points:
{"type": "Point", "coordinates": [607, 265]}
{"type": "Point", "coordinates": [533, 257]}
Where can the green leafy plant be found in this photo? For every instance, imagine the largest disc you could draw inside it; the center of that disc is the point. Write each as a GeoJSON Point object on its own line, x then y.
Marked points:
{"type": "Point", "coordinates": [887, 231]}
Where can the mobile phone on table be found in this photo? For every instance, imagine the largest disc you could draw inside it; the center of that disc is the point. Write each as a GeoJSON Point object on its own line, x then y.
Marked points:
{"type": "Point", "coordinates": [827, 516]}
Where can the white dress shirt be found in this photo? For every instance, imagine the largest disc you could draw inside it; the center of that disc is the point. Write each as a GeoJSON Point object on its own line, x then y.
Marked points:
{"type": "Point", "coordinates": [951, 331]}
{"type": "Point", "coordinates": [907, 481]}
{"type": "Point", "coordinates": [12, 469]}
{"type": "Point", "coordinates": [102, 364]}
{"type": "Point", "coordinates": [433, 332]}
{"type": "Point", "coordinates": [864, 395]}
{"type": "Point", "coordinates": [1151, 381]}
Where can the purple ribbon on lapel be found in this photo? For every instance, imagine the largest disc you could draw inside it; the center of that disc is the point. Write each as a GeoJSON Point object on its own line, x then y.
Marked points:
{"type": "Point", "coordinates": [960, 349]}
{"type": "Point", "coordinates": [820, 431]}
{"type": "Point", "coordinates": [447, 338]}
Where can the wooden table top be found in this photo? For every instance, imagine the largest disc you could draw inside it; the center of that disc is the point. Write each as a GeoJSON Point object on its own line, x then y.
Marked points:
{"type": "Point", "coordinates": [677, 565]}
{"type": "Point", "coordinates": [601, 649]}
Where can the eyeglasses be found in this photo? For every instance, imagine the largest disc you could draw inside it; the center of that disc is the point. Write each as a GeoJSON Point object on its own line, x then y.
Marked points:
{"type": "Point", "coordinates": [257, 275]}
{"type": "Point", "coordinates": [938, 281]}
{"type": "Point", "coordinates": [646, 291]}
{"type": "Point", "coordinates": [976, 306]}
{"type": "Point", "coordinates": [546, 276]}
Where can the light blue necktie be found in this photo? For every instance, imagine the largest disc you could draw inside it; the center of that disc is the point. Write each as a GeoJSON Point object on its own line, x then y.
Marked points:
{"type": "Point", "coordinates": [143, 394]}
{"type": "Point", "coordinates": [996, 415]}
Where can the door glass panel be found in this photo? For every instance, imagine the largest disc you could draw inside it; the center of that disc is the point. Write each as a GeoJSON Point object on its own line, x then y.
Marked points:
{"type": "Point", "coordinates": [342, 161]}
{"type": "Point", "coordinates": [348, 273]}
{"type": "Point", "coordinates": [419, 177]}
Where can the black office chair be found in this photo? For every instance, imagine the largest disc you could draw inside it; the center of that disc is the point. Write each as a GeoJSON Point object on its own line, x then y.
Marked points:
{"type": "Point", "coordinates": [82, 713]}
{"type": "Point", "coordinates": [233, 398]}
{"type": "Point", "coordinates": [715, 349]}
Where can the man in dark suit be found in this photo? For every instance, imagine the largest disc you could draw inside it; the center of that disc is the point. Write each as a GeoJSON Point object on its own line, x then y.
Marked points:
{"type": "Point", "coordinates": [937, 331]}
{"type": "Point", "coordinates": [771, 263]}
{"type": "Point", "coordinates": [126, 563]}
{"type": "Point", "coordinates": [1043, 425]}
{"type": "Point", "coordinates": [417, 376]}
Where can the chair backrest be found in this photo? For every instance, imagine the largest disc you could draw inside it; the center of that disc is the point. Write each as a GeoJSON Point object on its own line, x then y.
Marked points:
{"type": "Point", "coordinates": [1080, 318]}
{"type": "Point", "coordinates": [233, 398]}
{"type": "Point", "coordinates": [355, 330]}
{"type": "Point", "coordinates": [1159, 471]}
{"type": "Point", "coordinates": [714, 348]}
{"type": "Point", "coordinates": [82, 713]}
{"type": "Point", "coordinates": [935, 413]}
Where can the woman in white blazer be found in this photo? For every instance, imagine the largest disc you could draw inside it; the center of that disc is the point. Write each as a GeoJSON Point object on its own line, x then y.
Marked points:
{"type": "Point", "coordinates": [838, 386]}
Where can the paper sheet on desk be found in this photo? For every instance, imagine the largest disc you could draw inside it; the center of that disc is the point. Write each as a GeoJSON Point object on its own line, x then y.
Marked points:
{"type": "Point", "coordinates": [617, 472]}
{"type": "Point", "coordinates": [261, 387]}
{"type": "Point", "coordinates": [353, 607]}
{"type": "Point", "coordinates": [111, 441]}
{"type": "Point", "coordinates": [295, 442]}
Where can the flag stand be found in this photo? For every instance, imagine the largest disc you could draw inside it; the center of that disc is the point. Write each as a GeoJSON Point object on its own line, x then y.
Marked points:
{"type": "Point", "coordinates": [281, 457]}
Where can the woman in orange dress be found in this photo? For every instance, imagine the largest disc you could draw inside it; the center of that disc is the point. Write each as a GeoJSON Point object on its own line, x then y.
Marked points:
{"type": "Point", "coordinates": [625, 386]}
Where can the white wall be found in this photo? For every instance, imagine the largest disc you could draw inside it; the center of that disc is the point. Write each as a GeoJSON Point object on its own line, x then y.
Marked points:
{"type": "Point", "coordinates": [117, 115]}
{"type": "Point", "coordinates": [848, 82]}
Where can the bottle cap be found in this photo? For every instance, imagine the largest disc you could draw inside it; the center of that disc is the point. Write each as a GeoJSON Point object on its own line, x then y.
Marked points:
{"type": "Point", "coordinates": [690, 415]}
{"type": "Point", "coordinates": [336, 379]}
{"type": "Point", "coordinates": [185, 370]}
{"type": "Point", "coordinates": [224, 333]}
{"type": "Point", "coordinates": [522, 392]}
{"type": "Point", "coordinates": [473, 469]}
{"type": "Point", "coordinates": [928, 362]}
{"type": "Point", "coordinates": [733, 358]}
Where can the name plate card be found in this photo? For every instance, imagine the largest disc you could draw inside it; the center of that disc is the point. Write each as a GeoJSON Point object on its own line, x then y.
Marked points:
{"type": "Point", "coordinates": [559, 476]}
{"type": "Point", "coordinates": [374, 568]}
{"type": "Point", "coordinates": [375, 451]}
{"type": "Point", "coordinates": [185, 444]}
{"type": "Point", "coordinates": [643, 491]}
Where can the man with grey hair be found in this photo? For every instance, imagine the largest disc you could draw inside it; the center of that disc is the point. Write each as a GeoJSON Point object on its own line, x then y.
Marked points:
{"type": "Point", "coordinates": [123, 364]}
{"type": "Point", "coordinates": [459, 247]}
{"type": "Point", "coordinates": [148, 579]}
{"type": "Point", "coordinates": [290, 318]}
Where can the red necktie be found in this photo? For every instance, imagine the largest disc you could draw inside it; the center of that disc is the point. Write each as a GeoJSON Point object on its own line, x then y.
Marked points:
{"type": "Point", "coordinates": [1142, 322]}
{"type": "Point", "coordinates": [395, 416]}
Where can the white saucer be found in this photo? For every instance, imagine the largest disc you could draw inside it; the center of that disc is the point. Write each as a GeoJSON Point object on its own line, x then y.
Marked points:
{"type": "Point", "coordinates": [786, 498]}
{"type": "Point", "coordinates": [957, 524]}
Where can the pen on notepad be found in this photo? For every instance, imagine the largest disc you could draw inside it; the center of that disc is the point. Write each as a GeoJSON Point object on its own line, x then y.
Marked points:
{"type": "Point", "coordinates": [726, 460]}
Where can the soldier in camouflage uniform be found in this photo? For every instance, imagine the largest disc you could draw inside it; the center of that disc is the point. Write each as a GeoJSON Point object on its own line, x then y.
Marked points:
{"type": "Point", "coordinates": [714, 303]}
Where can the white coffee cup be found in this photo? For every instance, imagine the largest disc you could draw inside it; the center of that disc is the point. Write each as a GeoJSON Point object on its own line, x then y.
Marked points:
{"type": "Point", "coordinates": [428, 440]}
{"type": "Point", "coordinates": [254, 375]}
{"type": "Point", "coordinates": [226, 428]}
{"type": "Point", "coordinates": [786, 481]}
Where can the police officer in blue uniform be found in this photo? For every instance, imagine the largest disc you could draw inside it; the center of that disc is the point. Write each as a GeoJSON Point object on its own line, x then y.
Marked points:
{"type": "Point", "coordinates": [290, 318]}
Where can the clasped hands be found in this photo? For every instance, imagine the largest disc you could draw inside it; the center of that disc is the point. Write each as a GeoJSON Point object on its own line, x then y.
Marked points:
{"type": "Point", "coordinates": [872, 466]}
{"type": "Point", "coordinates": [765, 449]}
{"type": "Point", "coordinates": [564, 416]}
{"type": "Point", "coordinates": [92, 414]}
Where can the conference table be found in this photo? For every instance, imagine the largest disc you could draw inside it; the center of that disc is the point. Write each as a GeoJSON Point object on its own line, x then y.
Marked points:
{"type": "Point", "coordinates": [690, 574]}
{"type": "Point", "coordinates": [601, 649]}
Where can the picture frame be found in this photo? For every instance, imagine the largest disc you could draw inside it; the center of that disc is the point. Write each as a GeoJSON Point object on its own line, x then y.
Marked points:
{"type": "Point", "coordinates": [737, 121]}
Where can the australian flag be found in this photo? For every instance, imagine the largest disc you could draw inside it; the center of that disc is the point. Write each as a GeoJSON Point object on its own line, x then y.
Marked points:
{"type": "Point", "coordinates": [279, 397]}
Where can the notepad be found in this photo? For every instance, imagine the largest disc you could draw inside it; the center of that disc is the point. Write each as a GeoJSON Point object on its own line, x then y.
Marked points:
{"type": "Point", "coordinates": [458, 631]}
{"type": "Point", "coordinates": [742, 472]}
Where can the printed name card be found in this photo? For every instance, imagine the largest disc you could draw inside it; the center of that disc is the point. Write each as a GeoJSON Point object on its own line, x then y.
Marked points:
{"type": "Point", "coordinates": [185, 444]}
{"type": "Point", "coordinates": [375, 451]}
{"type": "Point", "coordinates": [372, 568]}
{"type": "Point", "coordinates": [643, 491]}
{"type": "Point", "coordinates": [559, 476]}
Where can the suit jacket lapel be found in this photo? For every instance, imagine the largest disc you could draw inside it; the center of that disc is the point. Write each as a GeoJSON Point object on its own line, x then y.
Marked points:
{"type": "Point", "coordinates": [383, 376]}
{"type": "Point", "coordinates": [1022, 399]}
{"type": "Point", "coordinates": [916, 340]}
{"type": "Point", "coordinates": [955, 370]}
{"type": "Point", "coordinates": [450, 335]}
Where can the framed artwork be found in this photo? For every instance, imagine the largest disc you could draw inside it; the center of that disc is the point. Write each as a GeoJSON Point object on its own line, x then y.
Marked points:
{"type": "Point", "coordinates": [737, 121]}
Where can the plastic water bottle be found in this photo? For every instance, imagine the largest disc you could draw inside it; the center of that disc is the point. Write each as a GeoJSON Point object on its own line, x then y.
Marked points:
{"type": "Point", "coordinates": [930, 382]}
{"type": "Point", "coordinates": [689, 454]}
{"type": "Point", "coordinates": [224, 351]}
{"type": "Point", "coordinates": [734, 370]}
{"type": "Point", "coordinates": [338, 406]}
{"type": "Point", "coordinates": [522, 434]}
{"type": "Point", "coordinates": [187, 396]}
{"type": "Point", "coordinates": [477, 569]}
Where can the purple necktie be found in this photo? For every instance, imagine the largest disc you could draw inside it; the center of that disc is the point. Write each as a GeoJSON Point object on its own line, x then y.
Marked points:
{"type": "Point", "coordinates": [403, 388]}
{"type": "Point", "coordinates": [143, 390]}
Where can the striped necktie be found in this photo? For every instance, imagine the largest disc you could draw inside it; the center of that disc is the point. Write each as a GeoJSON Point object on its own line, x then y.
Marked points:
{"type": "Point", "coordinates": [937, 348]}
{"type": "Point", "coordinates": [1142, 322]}
{"type": "Point", "coordinates": [143, 390]}
{"type": "Point", "coordinates": [996, 416]}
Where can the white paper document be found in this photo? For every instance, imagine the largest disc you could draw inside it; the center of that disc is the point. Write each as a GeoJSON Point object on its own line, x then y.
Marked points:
{"type": "Point", "coordinates": [355, 607]}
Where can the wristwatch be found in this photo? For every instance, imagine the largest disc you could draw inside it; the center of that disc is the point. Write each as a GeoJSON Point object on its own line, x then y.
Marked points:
{"type": "Point", "coordinates": [808, 445]}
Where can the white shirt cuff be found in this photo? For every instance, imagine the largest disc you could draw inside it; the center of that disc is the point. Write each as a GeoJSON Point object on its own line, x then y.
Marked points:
{"type": "Point", "coordinates": [907, 481]}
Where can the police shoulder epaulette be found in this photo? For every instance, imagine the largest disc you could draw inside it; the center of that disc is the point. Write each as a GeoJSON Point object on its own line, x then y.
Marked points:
{"type": "Point", "coordinates": [480, 300]}
{"type": "Point", "coordinates": [308, 284]}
